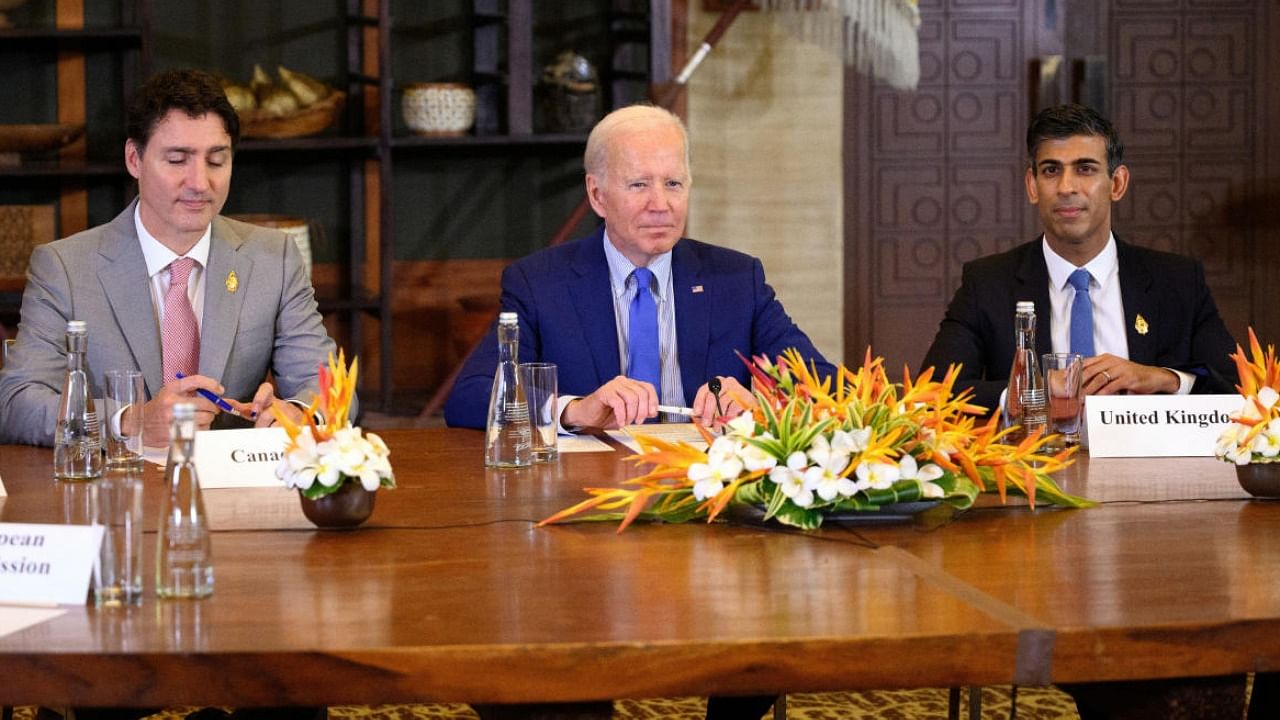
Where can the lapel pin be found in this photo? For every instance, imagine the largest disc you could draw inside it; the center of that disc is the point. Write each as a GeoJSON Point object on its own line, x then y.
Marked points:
{"type": "Point", "coordinates": [233, 282]}
{"type": "Point", "coordinates": [696, 288]}
{"type": "Point", "coordinates": [1140, 324]}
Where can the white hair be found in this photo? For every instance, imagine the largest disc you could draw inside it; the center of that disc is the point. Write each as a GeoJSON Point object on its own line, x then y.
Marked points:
{"type": "Point", "coordinates": [595, 159]}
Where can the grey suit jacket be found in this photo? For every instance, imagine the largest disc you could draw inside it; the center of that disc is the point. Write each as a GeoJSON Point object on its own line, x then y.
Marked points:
{"type": "Point", "coordinates": [268, 323]}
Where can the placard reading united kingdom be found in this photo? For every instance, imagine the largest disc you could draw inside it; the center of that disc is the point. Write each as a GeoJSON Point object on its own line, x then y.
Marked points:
{"type": "Point", "coordinates": [1157, 425]}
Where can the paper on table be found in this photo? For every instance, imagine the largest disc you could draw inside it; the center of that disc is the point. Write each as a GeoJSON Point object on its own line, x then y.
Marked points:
{"type": "Point", "coordinates": [581, 444]}
{"type": "Point", "coordinates": [2, 492]}
{"type": "Point", "coordinates": [671, 432]}
{"type": "Point", "coordinates": [19, 617]}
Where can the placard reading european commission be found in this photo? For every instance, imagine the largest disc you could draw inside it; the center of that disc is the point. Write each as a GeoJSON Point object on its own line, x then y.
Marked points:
{"type": "Point", "coordinates": [1157, 425]}
{"type": "Point", "coordinates": [47, 563]}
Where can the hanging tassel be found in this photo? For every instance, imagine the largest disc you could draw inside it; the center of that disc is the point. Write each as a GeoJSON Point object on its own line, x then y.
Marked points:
{"type": "Point", "coordinates": [875, 37]}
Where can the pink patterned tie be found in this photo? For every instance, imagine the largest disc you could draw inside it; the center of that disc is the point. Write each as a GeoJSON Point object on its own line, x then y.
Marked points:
{"type": "Point", "coordinates": [180, 336]}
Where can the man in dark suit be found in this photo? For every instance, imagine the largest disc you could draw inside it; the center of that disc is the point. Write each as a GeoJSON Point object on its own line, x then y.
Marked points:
{"type": "Point", "coordinates": [576, 303]}
{"type": "Point", "coordinates": [1152, 325]}
{"type": "Point", "coordinates": [1145, 321]}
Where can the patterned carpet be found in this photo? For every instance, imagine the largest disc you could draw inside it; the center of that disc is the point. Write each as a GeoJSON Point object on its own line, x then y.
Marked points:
{"type": "Point", "coordinates": [1032, 704]}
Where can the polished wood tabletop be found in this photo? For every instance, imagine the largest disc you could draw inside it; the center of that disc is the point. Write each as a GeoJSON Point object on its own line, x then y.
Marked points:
{"type": "Point", "coordinates": [449, 592]}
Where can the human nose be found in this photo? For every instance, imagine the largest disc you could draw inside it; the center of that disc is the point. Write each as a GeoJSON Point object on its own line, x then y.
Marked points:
{"type": "Point", "coordinates": [658, 199]}
{"type": "Point", "coordinates": [1067, 182]}
{"type": "Point", "coordinates": [198, 176]}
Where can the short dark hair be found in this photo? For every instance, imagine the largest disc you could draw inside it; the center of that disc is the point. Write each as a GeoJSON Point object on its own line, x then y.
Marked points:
{"type": "Point", "coordinates": [194, 92]}
{"type": "Point", "coordinates": [1063, 121]}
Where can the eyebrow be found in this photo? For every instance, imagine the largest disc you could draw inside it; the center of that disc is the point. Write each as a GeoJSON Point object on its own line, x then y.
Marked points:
{"type": "Point", "coordinates": [1077, 161]}
{"type": "Point", "coordinates": [195, 151]}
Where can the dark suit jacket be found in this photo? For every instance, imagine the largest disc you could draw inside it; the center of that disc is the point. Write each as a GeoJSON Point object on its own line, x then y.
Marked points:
{"type": "Point", "coordinates": [564, 302]}
{"type": "Point", "coordinates": [1169, 291]}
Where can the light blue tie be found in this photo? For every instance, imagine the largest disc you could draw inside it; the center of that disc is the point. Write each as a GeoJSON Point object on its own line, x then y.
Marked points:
{"type": "Point", "coordinates": [1081, 314]}
{"type": "Point", "coordinates": [644, 359]}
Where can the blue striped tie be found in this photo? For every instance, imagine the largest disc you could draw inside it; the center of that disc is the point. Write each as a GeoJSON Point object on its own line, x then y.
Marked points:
{"type": "Point", "coordinates": [1081, 314]}
{"type": "Point", "coordinates": [644, 359]}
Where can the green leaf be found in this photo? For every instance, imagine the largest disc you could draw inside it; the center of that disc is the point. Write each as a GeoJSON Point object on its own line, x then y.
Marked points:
{"type": "Point", "coordinates": [798, 517]}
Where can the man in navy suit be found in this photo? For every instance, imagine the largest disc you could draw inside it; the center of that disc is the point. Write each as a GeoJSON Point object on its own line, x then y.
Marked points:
{"type": "Point", "coordinates": [1152, 325]}
{"type": "Point", "coordinates": [575, 301]}
{"type": "Point", "coordinates": [1144, 319]}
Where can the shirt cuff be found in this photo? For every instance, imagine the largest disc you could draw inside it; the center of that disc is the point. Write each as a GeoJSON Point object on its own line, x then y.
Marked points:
{"type": "Point", "coordinates": [1185, 381]}
{"type": "Point", "coordinates": [562, 402]}
{"type": "Point", "coordinates": [319, 416]}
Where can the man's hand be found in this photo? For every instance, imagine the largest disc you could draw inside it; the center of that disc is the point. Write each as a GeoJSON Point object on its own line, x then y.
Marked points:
{"type": "Point", "coordinates": [734, 399]}
{"type": "Point", "coordinates": [1109, 375]}
{"type": "Point", "coordinates": [157, 413]}
{"type": "Point", "coordinates": [259, 409]}
{"type": "Point", "coordinates": [621, 401]}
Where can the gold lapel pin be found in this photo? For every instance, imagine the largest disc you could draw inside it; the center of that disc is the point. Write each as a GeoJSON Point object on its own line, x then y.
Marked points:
{"type": "Point", "coordinates": [233, 283]}
{"type": "Point", "coordinates": [1140, 324]}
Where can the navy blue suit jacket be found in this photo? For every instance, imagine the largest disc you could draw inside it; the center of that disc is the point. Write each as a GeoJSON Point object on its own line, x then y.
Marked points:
{"type": "Point", "coordinates": [563, 299]}
{"type": "Point", "coordinates": [1184, 330]}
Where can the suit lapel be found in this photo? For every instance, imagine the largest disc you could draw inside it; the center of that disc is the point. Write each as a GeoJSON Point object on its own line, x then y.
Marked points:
{"type": "Point", "coordinates": [127, 287]}
{"type": "Point", "coordinates": [588, 287]}
{"type": "Point", "coordinates": [1136, 293]}
{"type": "Point", "coordinates": [221, 304]}
{"type": "Point", "coordinates": [693, 316]}
{"type": "Point", "coordinates": [1033, 284]}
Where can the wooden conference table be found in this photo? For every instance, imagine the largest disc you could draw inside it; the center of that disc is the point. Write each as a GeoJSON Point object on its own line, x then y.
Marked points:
{"type": "Point", "coordinates": [450, 594]}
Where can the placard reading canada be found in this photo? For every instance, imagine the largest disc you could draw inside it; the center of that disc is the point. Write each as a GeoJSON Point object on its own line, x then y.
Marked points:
{"type": "Point", "coordinates": [239, 458]}
{"type": "Point", "coordinates": [1157, 425]}
{"type": "Point", "coordinates": [47, 563]}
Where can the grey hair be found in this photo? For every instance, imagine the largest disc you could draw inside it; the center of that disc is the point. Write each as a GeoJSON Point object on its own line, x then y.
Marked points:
{"type": "Point", "coordinates": [595, 159]}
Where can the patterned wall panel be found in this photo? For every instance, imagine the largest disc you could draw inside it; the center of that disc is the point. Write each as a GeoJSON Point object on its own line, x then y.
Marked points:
{"type": "Point", "coordinates": [1217, 117]}
{"type": "Point", "coordinates": [909, 197]}
{"type": "Point", "coordinates": [985, 120]}
{"type": "Point", "coordinates": [910, 267]}
{"type": "Point", "coordinates": [908, 125]}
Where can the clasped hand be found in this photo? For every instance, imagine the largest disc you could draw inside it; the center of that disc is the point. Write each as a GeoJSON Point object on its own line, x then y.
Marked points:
{"type": "Point", "coordinates": [158, 411]}
{"type": "Point", "coordinates": [624, 401]}
{"type": "Point", "coordinates": [1107, 374]}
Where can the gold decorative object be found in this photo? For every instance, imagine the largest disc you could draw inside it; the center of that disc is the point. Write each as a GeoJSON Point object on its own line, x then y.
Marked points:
{"type": "Point", "coordinates": [233, 282]}
{"type": "Point", "coordinates": [1140, 324]}
{"type": "Point", "coordinates": [439, 109]}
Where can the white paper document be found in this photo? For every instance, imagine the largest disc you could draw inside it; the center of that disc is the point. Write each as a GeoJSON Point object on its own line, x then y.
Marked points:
{"type": "Point", "coordinates": [670, 432]}
{"type": "Point", "coordinates": [16, 617]}
{"type": "Point", "coordinates": [581, 444]}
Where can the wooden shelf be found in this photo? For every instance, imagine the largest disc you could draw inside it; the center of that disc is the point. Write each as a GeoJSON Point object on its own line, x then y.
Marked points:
{"type": "Point", "coordinates": [55, 169]}
{"type": "Point", "coordinates": [106, 38]}
{"type": "Point", "coordinates": [304, 144]}
{"type": "Point", "coordinates": [533, 139]}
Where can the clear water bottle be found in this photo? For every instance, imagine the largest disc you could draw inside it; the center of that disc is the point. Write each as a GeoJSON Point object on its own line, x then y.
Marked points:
{"type": "Point", "coordinates": [77, 441]}
{"type": "Point", "coordinates": [509, 436]}
{"type": "Point", "coordinates": [1025, 402]}
{"type": "Point", "coordinates": [184, 556]}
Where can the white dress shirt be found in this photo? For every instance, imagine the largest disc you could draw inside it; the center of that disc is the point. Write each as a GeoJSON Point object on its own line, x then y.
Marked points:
{"type": "Point", "coordinates": [1109, 335]}
{"type": "Point", "coordinates": [158, 257]}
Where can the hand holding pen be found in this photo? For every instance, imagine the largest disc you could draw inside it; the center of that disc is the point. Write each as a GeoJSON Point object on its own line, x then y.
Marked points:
{"type": "Point", "coordinates": [221, 402]}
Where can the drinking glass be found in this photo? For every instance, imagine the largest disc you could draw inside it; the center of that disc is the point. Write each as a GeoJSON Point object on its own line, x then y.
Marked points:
{"type": "Point", "coordinates": [1063, 373]}
{"type": "Point", "coordinates": [540, 390]}
{"type": "Point", "coordinates": [125, 390]}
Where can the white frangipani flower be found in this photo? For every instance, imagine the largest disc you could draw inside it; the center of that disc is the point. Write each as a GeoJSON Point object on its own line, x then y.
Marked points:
{"type": "Point", "coordinates": [909, 469]}
{"type": "Point", "coordinates": [790, 479]}
{"type": "Point", "coordinates": [829, 462]}
{"type": "Point", "coordinates": [721, 467]}
{"type": "Point", "coordinates": [877, 475]}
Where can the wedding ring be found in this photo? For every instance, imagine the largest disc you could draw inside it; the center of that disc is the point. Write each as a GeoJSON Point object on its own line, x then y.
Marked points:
{"type": "Point", "coordinates": [1106, 375]}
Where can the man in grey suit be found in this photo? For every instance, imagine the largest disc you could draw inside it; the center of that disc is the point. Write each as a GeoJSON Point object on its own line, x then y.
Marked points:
{"type": "Point", "coordinates": [248, 309]}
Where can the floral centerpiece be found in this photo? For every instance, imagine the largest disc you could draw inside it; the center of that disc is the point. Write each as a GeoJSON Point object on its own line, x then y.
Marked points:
{"type": "Point", "coordinates": [323, 460]}
{"type": "Point", "coordinates": [809, 447]}
{"type": "Point", "coordinates": [1254, 433]}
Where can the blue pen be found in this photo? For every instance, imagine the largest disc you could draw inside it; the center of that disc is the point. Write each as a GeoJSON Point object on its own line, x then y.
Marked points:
{"type": "Point", "coordinates": [222, 404]}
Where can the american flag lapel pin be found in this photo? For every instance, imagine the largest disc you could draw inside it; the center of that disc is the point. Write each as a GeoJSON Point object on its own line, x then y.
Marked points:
{"type": "Point", "coordinates": [696, 288]}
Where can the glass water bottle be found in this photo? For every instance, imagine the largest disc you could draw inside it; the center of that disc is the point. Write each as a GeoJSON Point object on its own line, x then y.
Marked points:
{"type": "Point", "coordinates": [184, 556]}
{"type": "Point", "coordinates": [1025, 401]}
{"type": "Point", "coordinates": [77, 441]}
{"type": "Point", "coordinates": [509, 436]}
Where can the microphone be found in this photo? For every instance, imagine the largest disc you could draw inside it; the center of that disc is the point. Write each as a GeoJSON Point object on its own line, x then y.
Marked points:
{"type": "Point", "coordinates": [714, 386]}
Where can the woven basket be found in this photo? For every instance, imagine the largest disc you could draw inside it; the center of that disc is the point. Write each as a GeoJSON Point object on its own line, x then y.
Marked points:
{"type": "Point", "coordinates": [311, 120]}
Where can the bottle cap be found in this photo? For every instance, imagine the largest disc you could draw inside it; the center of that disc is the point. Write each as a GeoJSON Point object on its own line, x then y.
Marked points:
{"type": "Point", "coordinates": [1026, 306]}
{"type": "Point", "coordinates": [77, 326]}
{"type": "Point", "coordinates": [184, 411]}
{"type": "Point", "coordinates": [506, 318]}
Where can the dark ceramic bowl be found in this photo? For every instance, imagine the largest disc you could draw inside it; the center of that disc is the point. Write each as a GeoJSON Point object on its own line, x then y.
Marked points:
{"type": "Point", "coordinates": [1260, 479]}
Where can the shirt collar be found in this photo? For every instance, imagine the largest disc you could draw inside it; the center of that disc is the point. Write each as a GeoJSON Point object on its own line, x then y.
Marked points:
{"type": "Point", "coordinates": [158, 256]}
{"type": "Point", "coordinates": [1101, 267]}
{"type": "Point", "coordinates": [620, 268]}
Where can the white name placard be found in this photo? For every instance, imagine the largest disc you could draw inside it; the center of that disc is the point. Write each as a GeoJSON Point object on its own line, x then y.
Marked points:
{"type": "Point", "coordinates": [1157, 425]}
{"type": "Point", "coordinates": [47, 563]}
{"type": "Point", "coordinates": [239, 458]}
